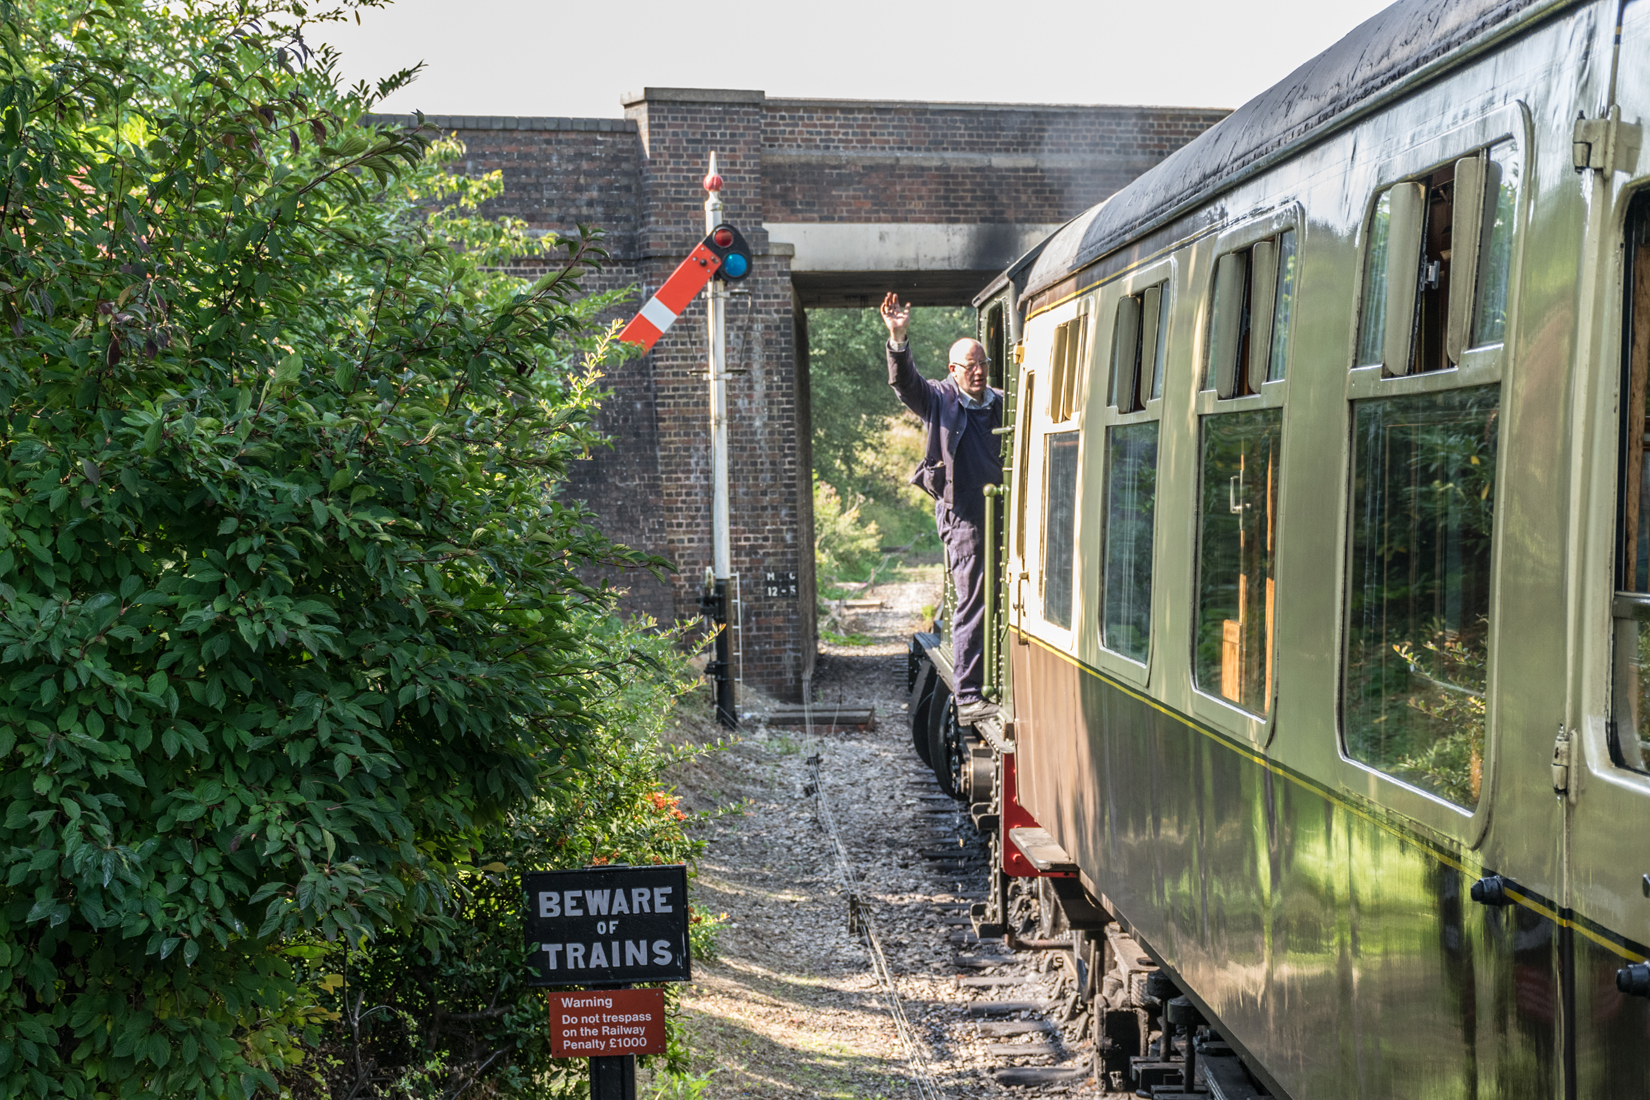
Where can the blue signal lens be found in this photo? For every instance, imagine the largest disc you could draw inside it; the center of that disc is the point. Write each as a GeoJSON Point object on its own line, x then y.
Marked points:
{"type": "Point", "coordinates": [735, 265]}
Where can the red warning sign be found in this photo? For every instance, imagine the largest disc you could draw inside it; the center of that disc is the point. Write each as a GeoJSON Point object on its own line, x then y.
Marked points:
{"type": "Point", "coordinates": [602, 1023]}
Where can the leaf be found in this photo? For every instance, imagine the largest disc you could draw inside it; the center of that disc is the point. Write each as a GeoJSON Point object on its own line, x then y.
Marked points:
{"type": "Point", "coordinates": [288, 370]}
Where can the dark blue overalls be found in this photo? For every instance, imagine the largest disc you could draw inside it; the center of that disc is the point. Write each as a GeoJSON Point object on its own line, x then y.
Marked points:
{"type": "Point", "coordinates": [963, 457]}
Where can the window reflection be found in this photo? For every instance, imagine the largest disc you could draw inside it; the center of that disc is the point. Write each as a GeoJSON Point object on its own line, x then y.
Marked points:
{"type": "Point", "coordinates": [1131, 496]}
{"type": "Point", "coordinates": [1372, 327]}
{"type": "Point", "coordinates": [1418, 616]}
{"type": "Point", "coordinates": [1236, 541]}
{"type": "Point", "coordinates": [1059, 527]}
{"type": "Point", "coordinates": [1494, 269]}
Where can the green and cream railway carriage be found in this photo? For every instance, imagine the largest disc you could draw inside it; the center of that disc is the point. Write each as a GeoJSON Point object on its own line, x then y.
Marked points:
{"type": "Point", "coordinates": [1324, 585]}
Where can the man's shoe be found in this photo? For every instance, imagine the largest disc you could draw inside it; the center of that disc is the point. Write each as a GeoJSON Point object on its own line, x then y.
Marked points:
{"type": "Point", "coordinates": [970, 713]}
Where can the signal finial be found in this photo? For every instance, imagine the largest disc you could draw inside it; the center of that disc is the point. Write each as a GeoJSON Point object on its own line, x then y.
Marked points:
{"type": "Point", "coordinates": [713, 182]}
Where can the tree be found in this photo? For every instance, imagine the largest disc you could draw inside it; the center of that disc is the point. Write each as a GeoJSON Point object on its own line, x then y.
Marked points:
{"type": "Point", "coordinates": [289, 621]}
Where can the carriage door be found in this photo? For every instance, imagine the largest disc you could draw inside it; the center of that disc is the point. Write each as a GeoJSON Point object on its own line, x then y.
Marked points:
{"type": "Point", "coordinates": [1609, 775]}
{"type": "Point", "coordinates": [1610, 811]}
{"type": "Point", "coordinates": [993, 333]}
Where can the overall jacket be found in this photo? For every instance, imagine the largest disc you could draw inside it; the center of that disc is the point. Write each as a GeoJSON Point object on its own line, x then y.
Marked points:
{"type": "Point", "coordinates": [939, 405]}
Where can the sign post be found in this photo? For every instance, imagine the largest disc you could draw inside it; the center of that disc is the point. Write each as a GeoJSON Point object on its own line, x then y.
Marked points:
{"type": "Point", "coordinates": [606, 929]}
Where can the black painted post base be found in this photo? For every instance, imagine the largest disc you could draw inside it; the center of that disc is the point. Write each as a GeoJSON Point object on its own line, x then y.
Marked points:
{"type": "Point", "coordinates": [613, 1078]}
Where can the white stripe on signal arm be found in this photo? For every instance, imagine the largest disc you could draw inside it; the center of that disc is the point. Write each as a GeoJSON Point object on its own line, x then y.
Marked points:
{"type": "Point", "coordinates": [658, 314]}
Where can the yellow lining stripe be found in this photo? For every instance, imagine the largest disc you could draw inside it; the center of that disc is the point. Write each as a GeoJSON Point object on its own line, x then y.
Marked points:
{"type": "Point", "coordinates": [1576, 923]}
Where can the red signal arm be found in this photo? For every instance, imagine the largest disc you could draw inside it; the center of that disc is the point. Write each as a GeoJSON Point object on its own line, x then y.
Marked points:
{"type": "Point", "coordinates": [664, 307]}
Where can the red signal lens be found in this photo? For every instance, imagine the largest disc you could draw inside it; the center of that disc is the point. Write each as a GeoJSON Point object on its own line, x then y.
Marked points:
{"type": "Point", "coordinates": [723, 237]}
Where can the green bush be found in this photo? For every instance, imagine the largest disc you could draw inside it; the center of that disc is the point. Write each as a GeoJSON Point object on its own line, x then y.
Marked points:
{"type": "Point", "coordinates": [292, 631]}
{"type": "Point", "coordinates": [412, 1021]}
{"type": "Point", "coordinates": [845, 547]}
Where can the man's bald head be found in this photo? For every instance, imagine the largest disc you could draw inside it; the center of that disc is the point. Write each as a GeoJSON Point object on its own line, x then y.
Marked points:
{"type": "Point", "coordinates": [966, 349]}
{"type": "Point", "coordinates": [968, 364]}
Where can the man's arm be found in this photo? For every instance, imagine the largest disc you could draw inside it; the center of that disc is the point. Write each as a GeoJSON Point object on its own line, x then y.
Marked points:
{"type": "Point", "coordinates": [913, 389]}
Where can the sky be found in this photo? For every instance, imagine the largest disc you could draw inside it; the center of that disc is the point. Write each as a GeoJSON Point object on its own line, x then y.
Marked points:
{"type": "Point", "coordinates": [515, 57]}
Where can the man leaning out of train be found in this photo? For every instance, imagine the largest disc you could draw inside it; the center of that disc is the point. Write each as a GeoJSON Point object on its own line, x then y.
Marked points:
{"type": "Point", "coordinates": [963, 457]}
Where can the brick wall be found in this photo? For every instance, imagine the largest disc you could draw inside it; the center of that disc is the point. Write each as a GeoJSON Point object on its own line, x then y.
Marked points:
{"type": "Point", "coordinates": [857, 161]}
{"type": "Point", "coordinates": [781, 160]}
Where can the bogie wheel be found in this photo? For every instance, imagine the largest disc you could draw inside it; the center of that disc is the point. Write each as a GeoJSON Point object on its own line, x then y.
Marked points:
{"type": "Point", "coordinates": [927, 682]}
{"type": "Point", "coordinates": [942, 719]}
{"type": "Point", "coordinates": [958, 758]}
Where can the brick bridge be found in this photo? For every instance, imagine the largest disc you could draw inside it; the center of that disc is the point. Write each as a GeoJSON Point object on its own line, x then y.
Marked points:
{"type": "Point", "coordinates": [842, 200]}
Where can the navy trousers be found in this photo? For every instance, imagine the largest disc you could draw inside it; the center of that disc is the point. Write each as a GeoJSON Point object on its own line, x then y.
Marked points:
{"type": "Point", "coordinates": [965, 555]}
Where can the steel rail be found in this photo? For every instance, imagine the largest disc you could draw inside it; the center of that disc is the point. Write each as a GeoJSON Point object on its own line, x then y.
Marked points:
{"type": "Point", "coordinates": [922, 1078]}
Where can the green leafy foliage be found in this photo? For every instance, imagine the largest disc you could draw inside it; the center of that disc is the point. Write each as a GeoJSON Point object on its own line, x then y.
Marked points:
{"type": "Point", "coordinates": [416, 1022]}
{"type": "Point", "coordinates": [291, 627]}
{"type": "Point", "coordinates": [845, 546]}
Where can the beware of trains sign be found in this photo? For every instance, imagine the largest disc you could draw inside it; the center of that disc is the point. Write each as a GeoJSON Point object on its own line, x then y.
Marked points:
{"type": "Point", "coordinates": [609, 926]}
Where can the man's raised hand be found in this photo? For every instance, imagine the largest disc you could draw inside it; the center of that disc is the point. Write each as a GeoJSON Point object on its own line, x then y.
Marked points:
{"type": "Point", "coordinates": [897, 316]}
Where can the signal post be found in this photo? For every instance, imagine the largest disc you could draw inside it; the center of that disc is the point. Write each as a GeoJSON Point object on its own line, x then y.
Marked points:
{"type": "Point", "coordinates": [722, 257]}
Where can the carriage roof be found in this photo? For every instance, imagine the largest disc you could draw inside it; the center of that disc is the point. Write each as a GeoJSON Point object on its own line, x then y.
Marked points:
{"type": "Point", "coordinates": [1402, 44]}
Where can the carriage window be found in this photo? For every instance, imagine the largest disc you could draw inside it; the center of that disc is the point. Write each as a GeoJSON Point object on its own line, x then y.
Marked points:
{"type": "Point", "coordinates": [1418, 607]}
{"type": "Point", "coordinates": [1125, 355]}
{"type": "Point", "coordinates": [1059, 527]}
{"type": "Point", "coordinates": [1372, 329]}
{"type": "Point", "coordinates": [1137, 350]}
{"type": "Point", "coordinates": [1131, 496]}
{"type": "Point", "coordinates": [1156, 301]}
{"type": "Point", "coordinates": [1065, 362]}
{"type": "Point", "coordinates": [1228, 325]}
{"type": "Point", "coordinates": [1437, 263]}
{"type": "Point", "coordinates": [1436, 267]}
{"type": "Point", "coordinates": [1236, 544]}
{"type": "Point", "coordinates": [1022, 464]}
{"type": "Point", "coordinates": [994, 338]}
{"type": "Point", "coordinates": [1285, 307]}
{"type": "Point", "coordinates": [1254, 295]}
{"type": "Point", "coordinates": [1495, 262]}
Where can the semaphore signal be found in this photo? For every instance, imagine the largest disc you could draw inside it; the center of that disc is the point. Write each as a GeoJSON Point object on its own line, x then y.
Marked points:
{"type": "Point", "coordinates": [723, 254]}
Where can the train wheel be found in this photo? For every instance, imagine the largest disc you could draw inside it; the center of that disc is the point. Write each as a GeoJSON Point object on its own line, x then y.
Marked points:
{"type": "Point", "coordinates": [959, 744]}
{"type": "Point", "coordinates": [942, 719]}
{"type": "Point", "coordinates": [927, 680]}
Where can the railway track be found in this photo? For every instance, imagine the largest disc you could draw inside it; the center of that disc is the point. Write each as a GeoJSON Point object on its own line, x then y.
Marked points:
{"type": "Point", "coordinates": [977, 1017]}
{"type": "Point", "coordinates": [851, 965]}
